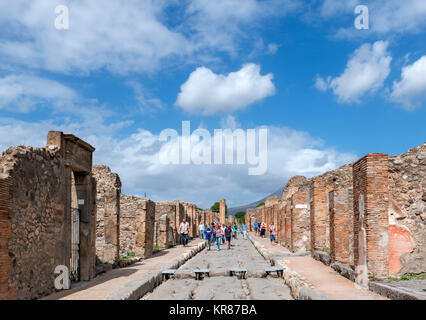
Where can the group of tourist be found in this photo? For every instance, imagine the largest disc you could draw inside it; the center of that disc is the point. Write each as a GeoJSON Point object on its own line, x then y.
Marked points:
{"type": "Point", "coordinates": [260, 229]}
{"type": "Point", "coordinates": [220, 233]}
{"type": "Point", "coordinates": [217, 232]}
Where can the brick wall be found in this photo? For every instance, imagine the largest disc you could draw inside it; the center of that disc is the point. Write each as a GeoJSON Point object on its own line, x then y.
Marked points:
{"type": "Point", "coordinates": [319, 215]}
{"type": "Point", "coordinates": [300, 222]}
{"type": "Point", "coordinates": [341, 230]}
{"type": "Point", "coordinates": [371, 202]}
{"type": "Point", "coordinates": [287, 224]}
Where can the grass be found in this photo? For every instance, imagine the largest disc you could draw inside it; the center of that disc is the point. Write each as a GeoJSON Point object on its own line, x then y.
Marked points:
{"type": "Point", "coordinates": [409, 276]}
{"type": "Point", "coordinates": [130, 254]}
{"type": "Point", "coordinates": [156, 247]}
{"type": "Point", "coordinates": [327, 250]}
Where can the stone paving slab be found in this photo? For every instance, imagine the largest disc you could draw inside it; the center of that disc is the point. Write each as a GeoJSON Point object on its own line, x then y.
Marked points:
{"type": "Point", "coordinates": [324, 279]}
{"type": "Point", "coordinates": [117, 280]}
{"type": "Point", "coordinates": [414, 289]}
{"type": "Point", "coordinates": [220, 285]}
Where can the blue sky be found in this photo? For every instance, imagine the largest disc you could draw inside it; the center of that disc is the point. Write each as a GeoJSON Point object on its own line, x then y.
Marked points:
{"type": "Point", "coordinates": [125, 70]}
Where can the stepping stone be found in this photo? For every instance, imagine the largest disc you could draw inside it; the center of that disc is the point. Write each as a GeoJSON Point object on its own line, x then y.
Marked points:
{"type": "Point", "coordinates": [278, 270]}
{"type": "Point", "coordinates": [238, 271]}
{"type": "Point", "coordinates": [200, 272]}
{"type": "Point", "coordinates": [167, 274]}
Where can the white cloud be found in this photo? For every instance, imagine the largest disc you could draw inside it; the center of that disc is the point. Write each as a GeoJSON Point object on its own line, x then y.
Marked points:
{"type": "Point", "coordinates": [272, 48]}
{"type": "Point", "coordinates": [411, 89]}
{"type": "Point", "coordinates": [135, 158]}
{"type": "Point", "coordinates": [124, 36]}
{"type": "Point", "coordinates": [145, 102]}
{"type": "Point", "coordinates": [365, 72]}
{"type": "Point", "coordinates": [209, 93]}
{"type": "Point", "coordinates": [385, 16]}
{"type": "Point", "coordinates": [22, 92]}
{"type": "Point", "coordinates": [223, 24]}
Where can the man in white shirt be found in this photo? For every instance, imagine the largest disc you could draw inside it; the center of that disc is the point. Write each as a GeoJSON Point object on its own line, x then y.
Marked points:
{"type": "Point", "coordinates": [184, 230]}
{"type": "Point", "coordinates": [223, 227]}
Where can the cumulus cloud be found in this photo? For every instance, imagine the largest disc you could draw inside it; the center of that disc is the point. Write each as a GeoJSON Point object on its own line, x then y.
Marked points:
{"type": "Point", "coordinates": [124, 36]}
{"type": "Point", "coordinates": [208, 93]}
{"type": "Point", "coordinates": [410, 91]}
{"type": "Point", "coordinates": [23, 93]}
{"type": "Point", "coordinates": [365, 72]}
{"type": "Point", "coordinates": [136, 158]}
{"type": "Point", "coordinates": [385, 16]}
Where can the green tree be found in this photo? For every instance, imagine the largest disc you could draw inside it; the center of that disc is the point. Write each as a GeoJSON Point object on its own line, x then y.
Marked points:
{"type": "Point", "coordinates": [260, 204]}
{"type": "Point", "coordinates": [240, 216]}
{"type": "Point", "coordinates": [216, 207]}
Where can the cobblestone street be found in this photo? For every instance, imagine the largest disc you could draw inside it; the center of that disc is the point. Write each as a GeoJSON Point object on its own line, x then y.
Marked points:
{"type": "Point", "coordinates": [219, 285]}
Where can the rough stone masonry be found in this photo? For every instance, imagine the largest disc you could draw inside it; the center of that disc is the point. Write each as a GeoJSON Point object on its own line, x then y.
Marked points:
{"type": "Point", "coordinates": [36, 188]}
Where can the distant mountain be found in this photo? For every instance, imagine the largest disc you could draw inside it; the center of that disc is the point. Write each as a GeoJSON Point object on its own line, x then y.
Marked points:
{"type": "Point", "coordinates": [233, 211]}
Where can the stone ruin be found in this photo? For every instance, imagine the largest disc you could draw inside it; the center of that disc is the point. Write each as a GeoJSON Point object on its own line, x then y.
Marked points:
{"type": "Point", "coordinates": [108, 187]}
{"type": "Point", "coordinates": [137, 219]}
{"type": "Point", "coordinates": [368, 215]}
{"type": "Point", "coordinates": [47, 215]}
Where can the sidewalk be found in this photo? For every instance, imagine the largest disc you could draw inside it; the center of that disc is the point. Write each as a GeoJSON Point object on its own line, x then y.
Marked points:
{"type": "Point", "coordinates": [324, 279]}
{"type": "Point", "coordinates": [112, 281]}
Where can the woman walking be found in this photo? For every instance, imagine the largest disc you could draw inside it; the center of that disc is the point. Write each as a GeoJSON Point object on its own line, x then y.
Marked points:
{"type": "Point", "coordinates": [218, 233]}
{"type": "Point", "coordinates": [228, 235]}
{"type": "Point", "coordinates": [263, 229]}
{"type": "Point", "coordinates": [272, 233]}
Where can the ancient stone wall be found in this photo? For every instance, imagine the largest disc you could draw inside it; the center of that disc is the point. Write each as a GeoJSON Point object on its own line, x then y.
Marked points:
{"type": "Point", "coordinates": [300, 222]}
{"type": "Point", "coordinates": [341, 225]}
{"type": "Point", "coordinates": [35, 214]}
{"type": "Point", "coordinates": [371, 205]}
{"type": "Point", "coordinates": [32, 221]}
{"type": "Point", "coordinates": [137, 218]}
{"type": "Point", "coordinates": [407, 212]}
{"type": "Point", "coordinates": [320, 186]}
{"type": "Point", "coordinates": [169, 209]}
{"type": "Point", "coordinates": [108, 186]}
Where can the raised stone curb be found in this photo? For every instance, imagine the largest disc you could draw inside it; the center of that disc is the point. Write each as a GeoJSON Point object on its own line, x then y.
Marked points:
{"type": "Point", "coordinates": [136, 289]}
{"type": "Point", "coordinates": [299, 286]}
{"type": "Point", "coordinates": [345, 270]}
{"type": "Point", "coordinates": [391, 292]}
{"type": "Point", "coordinates": [322, 256]}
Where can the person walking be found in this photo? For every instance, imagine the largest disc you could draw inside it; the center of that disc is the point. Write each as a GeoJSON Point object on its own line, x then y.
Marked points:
{"type": "Point", "coordinates": [218, 234]}
{"type": "Point", "coordinates": [228, 235]}
{"type": "Point", "coordinates": [201, 230]}
{"type": "Point", "coordinates": [208, 236]}
{"type": "Point", "coordinates": [235, 230]}
{"type": "Point", "coordinates": [184, 230]}
{"type": "Point", "coordinates": [263, 229]}
{"type": "Point", "coordinates": [244, 230]}
{"type": "Point", "coordinates": [223, 227]}
{"type": "Point", "coordinates": [255, 227]}
{"type": "Point", "coordinates": [272, 233]}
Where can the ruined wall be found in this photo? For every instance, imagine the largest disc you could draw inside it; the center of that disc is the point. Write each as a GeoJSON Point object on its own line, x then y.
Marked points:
{"type": "Point", "coordinates": [341, 225]}
{"type": "Point", "coordinates": [407, 212]}
{"type": "Point", "coordinates": [168, 209]}
{"type": "Point", "coordinates": [108, 186]}
{"type": "Point", "coordinates": [137, 218]}
{"type": "Point", "coordinates": [35, 214]}
{"type": "Point", "coordinates": [32, 221]}
{"type": "Point", "coordinates": [371, 205]}
{"type": "Point", "coordinates": [300, 221]}
{"type": "Point", "coordinates": [320, 186]}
